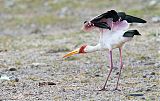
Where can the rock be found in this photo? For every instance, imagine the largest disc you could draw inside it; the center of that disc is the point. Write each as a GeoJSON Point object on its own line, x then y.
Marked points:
{"type": "Point", "coordinates": [154, 85]}
{"type": "Point", "coordinates": [157, 65]}
{"type": "Point", "coordinates": [144, 76]}
{"type": "Point", "coordinates": [12, 69]}
{"type": "Point", "coordinates": [136, 94]}
{"type": "Point", "coordinates": [152, 98]}
{"type": "Point", "coordinates": [36, 31]}
{"type": "Point", "coordinates": [97, 75]}
{"type": "Point", "coordinates": [150, 63]}
{"type": "Point", "coordinates": [42, 83]}
{"type": "Point", "coordinates": [3, 50]}
{"type": "Point", "coordinates": [9, 3]}
{"type": "Point", "coordinates": [4, 77]}
{"type": "Point", "coordinates": [139, 90]}
{"type": "Point", "coordinates": [117, 73]}
{"type": "Point", "coordinates": [153, 73]}
{"type": "Point", "coordinates": [152, 2]}
{"type": "Point", "coordinates": [148, 89]}
{"type": "Point", "coordinates": [16, 80]}
{"type": "Point", "coordinates": [46, 83]}
{"type": "Point", "coordinates": [156, 19]}
{"type": "Point", "coordinates": [51, 83]}
{"type": "Point", "coordinates": [143, 98]}
{"type": "Point", "coordinates": [38, 64]}
{"type": "Point", "coordinates": [149, 75]}
{"type": "Point", "coordinates": [87, 62]}
{"type": "Point", "coordinates": [14, 91]}
{"type": "Point", "coordinates": [63, 90]}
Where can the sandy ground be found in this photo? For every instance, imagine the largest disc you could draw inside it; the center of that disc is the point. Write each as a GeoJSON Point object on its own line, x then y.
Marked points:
{"type": "Point", "coordinates": [31, 50]}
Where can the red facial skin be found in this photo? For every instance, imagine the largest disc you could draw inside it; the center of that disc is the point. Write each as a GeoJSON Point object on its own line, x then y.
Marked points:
{"type": "Point", "coordinates": [81, 50]}
{"type": "Point", "coordinates": [87, 27]}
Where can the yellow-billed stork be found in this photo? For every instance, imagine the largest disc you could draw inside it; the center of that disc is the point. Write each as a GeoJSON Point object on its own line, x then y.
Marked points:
{"type": "Point", "coordinates": [113, 34]}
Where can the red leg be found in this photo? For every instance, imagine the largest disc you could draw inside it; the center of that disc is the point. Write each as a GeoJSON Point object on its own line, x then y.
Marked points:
{"type": "Point", "coordinates": [111, 67]}
{"type": "Point", "coordinates": [121, 64]}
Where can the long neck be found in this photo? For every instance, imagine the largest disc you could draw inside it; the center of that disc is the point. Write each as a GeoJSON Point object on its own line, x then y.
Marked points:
{"type": "Point", "coordinates": [90, 49]}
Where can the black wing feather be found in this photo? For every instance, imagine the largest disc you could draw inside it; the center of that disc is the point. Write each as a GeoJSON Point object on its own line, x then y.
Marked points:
{"type": "Point", "coordinates": [122, 15]}
{"type": "Point", "coordinates": [97, 21]}
{"type": "Point", "coordinates": [131, 33]}
{"type": "Point", "coordinates": [102, 25]}
{"type": "Point", "coordinates": [130, 19]}
{"type": "Point", "coordinates": [109, 14]}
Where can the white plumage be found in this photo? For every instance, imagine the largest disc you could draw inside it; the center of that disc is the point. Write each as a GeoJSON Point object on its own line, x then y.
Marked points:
{"type": "Point", "coordinates": [111, 39]}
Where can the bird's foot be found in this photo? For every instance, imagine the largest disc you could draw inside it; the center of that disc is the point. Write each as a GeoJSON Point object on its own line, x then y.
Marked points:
{"type": "Point", "coordinates": [116, 89]}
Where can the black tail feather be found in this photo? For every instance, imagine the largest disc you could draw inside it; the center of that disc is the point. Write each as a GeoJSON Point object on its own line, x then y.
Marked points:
{"type": "Point", "coordinates": [131, 33]}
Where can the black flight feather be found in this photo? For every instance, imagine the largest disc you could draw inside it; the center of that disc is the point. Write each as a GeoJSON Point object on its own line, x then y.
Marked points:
{"type": "Point", "coordinates": [130, 19]}
{"type": "Point", "coordinates": [110, 14]}
{"type": "Point", "coordinates": [102, 25]}
{"type": "Point", "coordinates": [115, 17]}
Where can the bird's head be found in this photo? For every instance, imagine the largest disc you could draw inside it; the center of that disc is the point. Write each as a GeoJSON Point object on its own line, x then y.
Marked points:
{"type": "Point", "coordinates": [76, 51]}
{"type": "Point", "coordinates": [88, 26]}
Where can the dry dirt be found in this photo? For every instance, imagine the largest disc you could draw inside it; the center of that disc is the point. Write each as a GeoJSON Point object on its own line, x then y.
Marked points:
{"type": "Point", "coordinates": [35, 34]}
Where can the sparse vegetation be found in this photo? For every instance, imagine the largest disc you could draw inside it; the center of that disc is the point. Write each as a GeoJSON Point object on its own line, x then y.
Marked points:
{"type": "Point", "coordinates": [35, 34]}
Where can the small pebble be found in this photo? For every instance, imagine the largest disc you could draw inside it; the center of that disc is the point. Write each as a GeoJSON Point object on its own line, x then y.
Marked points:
{"type": "Point", "coordinates": [157, 65]}
{"type": "Point", "coordinates": [14, 91]}
{"type": "Point", "coordinates": [143, 98]}
{"type": "Point", "coordinates": [97, 75]}
{"type": "Point", "coordinates": [152, 98]}
{"type": "Point", "coordinates": [156, 19]}
{"type": "Point", "coordinates": [144, 76]}
{"type": "Point", "coordinates": [140, 90]}
{"type": "Point", "coordinates": [51, 83]}
{"type": "Point", "coordinates": [153, 73]}
{"type": "Point", "coordinates": [152, 2]}
{"type": "Point", "coordinates": [148, 89]}
{"type": "Point", "coordinates": [117, 73]}
{"type": "Point", "coordinates": [16, 80]}
{"type": "Point", "coordinates": [42, 83]}
{"type": "Point", "coordinates": [63, 90]}
{"type": "Point", "coordinates": [12, 69]}
{"type": "Point", "coordinates": [136, 94]}
{"type": "Point", "coordinates": [153, 85]}
{"type": "Point", "coordinates": [46, 83]}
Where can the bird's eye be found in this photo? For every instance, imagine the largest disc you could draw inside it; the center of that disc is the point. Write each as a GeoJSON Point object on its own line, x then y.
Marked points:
{"type": "Point", "coordinates": [85, 22]}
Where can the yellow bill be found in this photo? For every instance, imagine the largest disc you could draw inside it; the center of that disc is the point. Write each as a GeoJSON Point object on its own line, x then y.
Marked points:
{"type": "Point", "coordinates": [71, 53]}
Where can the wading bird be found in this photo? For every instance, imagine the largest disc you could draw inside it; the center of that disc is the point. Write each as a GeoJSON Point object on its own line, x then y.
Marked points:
{"type": "Point", "coordinates": [113, 27]}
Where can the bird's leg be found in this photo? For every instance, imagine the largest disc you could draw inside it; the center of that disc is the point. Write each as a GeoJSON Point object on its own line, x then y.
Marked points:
{"type": "Point", "coordinates": [121, 64]}
{"type": "Point", "coordinates": [112, 25]}
{"type": "Point", "coordinates": [111, 67]}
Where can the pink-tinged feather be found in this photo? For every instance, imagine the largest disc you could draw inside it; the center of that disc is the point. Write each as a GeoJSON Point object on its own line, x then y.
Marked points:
{"type": "Point", "coordinates": [120, 25]}
{"type": "Point", "coordinates": [87, 27]}
{"type": "Point", "coordinates": [115, 26]}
